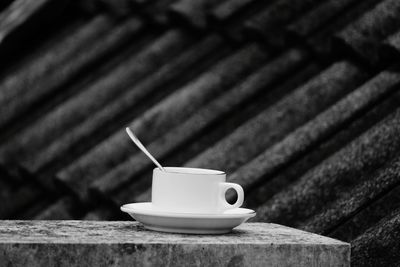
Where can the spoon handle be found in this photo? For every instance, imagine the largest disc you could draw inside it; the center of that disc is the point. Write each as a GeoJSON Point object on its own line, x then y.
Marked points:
{"type": "Point", "coordinates": [141, 146]}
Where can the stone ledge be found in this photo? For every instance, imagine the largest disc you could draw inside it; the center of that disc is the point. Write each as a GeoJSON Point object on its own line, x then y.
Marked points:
{"type": "Point", "coordinates": [90, 243]}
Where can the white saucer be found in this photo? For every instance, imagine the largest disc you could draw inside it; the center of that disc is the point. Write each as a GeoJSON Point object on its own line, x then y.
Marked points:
{"type": "Point", "coordinates": [163, 221]}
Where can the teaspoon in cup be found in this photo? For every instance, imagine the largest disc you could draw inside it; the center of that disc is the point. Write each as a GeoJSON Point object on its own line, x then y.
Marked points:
{"type": "Point", "coordinates": [141, 147]}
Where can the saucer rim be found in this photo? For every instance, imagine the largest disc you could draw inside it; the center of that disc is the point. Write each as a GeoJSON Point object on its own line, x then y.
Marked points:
{"type": "Point", "coordinates": [124, 208]}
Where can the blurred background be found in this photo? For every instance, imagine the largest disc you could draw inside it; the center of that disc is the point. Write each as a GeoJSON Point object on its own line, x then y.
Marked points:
{"type": "Point", "coordinates": [297, 100]}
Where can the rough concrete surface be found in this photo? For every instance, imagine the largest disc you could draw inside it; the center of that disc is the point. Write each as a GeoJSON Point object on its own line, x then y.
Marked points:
{"type": "Point", "coordinates": [89, 243]}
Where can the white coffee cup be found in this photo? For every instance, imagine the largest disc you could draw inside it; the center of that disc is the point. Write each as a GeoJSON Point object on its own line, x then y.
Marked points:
{"type": "Point", "coordinates": [192, 190]}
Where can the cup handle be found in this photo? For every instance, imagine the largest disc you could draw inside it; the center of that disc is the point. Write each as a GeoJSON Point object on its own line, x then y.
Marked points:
{"type": "Point", "coordinates": [240, 195]}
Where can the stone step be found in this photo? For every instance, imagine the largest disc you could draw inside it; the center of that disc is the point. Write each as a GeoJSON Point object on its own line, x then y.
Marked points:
{"type": "Point", "coordinates": [101, 243]}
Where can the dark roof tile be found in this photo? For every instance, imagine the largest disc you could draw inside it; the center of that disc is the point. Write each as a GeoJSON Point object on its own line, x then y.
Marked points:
{"type": "Point", "coordinates": [274, 182]}
{"type": "Point", "coordinates": [244, 113]}
{"type": "Point", "coordinates": [62, 209]}
{"type": "Point", "coordinates": [33, 208]}
{"type": "Point", "coordinates": [16, 198]}
{"type": "Point", "coordinates": [104, 90]}
{"type": "Point", "coordinates": [117, 7]}
{"type": "Point", "coordinates": [210, 113]}
{"type": "Point", "coordinates": [276, 121]}
{"type": "Point", "coordinates": [379, 245]}
{"type": "Point", "coordinates": [5, 4]}
{"type": "Point", "coordinates": [343, 170]}
{"type": "Point", "coordinates": [167, 114]}
{"type": "Point", "coordinates": [193, 11]}
{"type": "Point", "coordinates": [138, 190]}
{"type": "Point", "coordinates": [393, 41]}
{"type": "Point", "coordinates": [99, 214]}
{"type": "Point", "coordinates": [228, 8]}
{"type": "Point", "coordinates": [317, 17]}
{"type": "Point", "coordinates": [381, 181]}
{"type": "Point", "coordinates": [77, 108]}
{"type": "Point", "coordinates": [365, 35]}
{"type": "Point", "coordinates": [269, 23]}
{"type": "Point", "coordinates": [321, 41]}
{"type": "Point", "coordinates": [299, 142]}
{"type": "Point", "coordinates": [21, 12]}
{"type": "Point", "coordinates": [52, 67]}
{"type": "Point", "coordinates": [368, 216]}
{"type": "Point", "coordinates": [132, 98]}
{"type": "Point", "coordinates": [156, 11]}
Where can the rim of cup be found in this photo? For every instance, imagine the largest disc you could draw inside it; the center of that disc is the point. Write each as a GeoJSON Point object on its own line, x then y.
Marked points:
{"type": "Point", "coordinates": [191, 171]}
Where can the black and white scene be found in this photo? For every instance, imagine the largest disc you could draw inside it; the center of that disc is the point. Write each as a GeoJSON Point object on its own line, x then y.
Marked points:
{"type": "Point", "coordinates": [200, 133]}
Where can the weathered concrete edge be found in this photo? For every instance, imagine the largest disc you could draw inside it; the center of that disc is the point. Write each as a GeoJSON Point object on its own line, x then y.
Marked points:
{"type": "Point", "coordinates": [172, 255]}
{"type": "Point", "coordinates": [109, 232]}
{"type": "Point", "coordinates": [80, 243]}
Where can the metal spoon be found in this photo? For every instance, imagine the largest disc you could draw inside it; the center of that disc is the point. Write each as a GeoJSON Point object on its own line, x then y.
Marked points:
{"type": "Point", "coordinates": [141, 147]}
